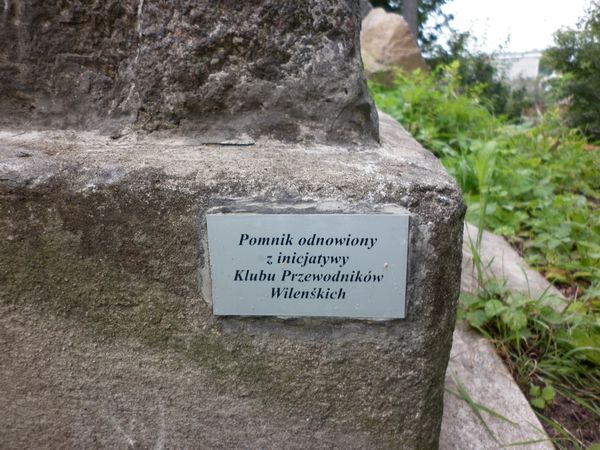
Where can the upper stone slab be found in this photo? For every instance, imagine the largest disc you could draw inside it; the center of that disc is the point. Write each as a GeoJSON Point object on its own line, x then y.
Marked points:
{"type": "Point", "coordinates": [218, 70]}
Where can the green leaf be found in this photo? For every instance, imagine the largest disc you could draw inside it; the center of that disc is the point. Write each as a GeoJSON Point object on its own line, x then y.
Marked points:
{"type": "Point", "coordinates": [588, 342]}
{"type": "Point", "coordinates": [552, 301]}
{"type": "Point", "coordinates": [548, 393]}
{"type": "Point", "coordinates": [494, 308]}
{"type": "Point", "coordinates": [469, 300]}
{"type": "Point", "coordinates": [517, 300]}
{"type": "Point", "coordinates": [538, 403]}
{"type": "Point", "coordinates": [535, 391]}
{"type": "Point", "coordinates": [476, 318]}
{"type": "Point", "coordinates": [490, 208]}
{"type": "Point", "coordinates": [576, 308]}
{"type": "Point", "coordinates": [496, 288]}
{"type": "Point", "coordinates": [525, 333]}
{"type": "Point", "coordinates": [553, 243]}
{"type": "Point", "coordinates": [551, 316]}
{"type": "Point", "coordinates": [515, 319]}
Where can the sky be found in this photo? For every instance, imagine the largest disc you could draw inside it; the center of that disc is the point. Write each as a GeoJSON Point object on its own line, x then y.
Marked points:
{"type": "Point", "coordinates": [514, 25]}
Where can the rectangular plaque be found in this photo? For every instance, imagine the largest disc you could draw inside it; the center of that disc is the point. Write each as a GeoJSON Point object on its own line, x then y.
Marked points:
{"type": "Point", "coordinates": [329, 265]}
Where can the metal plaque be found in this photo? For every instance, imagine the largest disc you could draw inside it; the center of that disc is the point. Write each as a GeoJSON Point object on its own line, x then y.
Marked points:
{"type": "Point", "coordinates": [329, 265]}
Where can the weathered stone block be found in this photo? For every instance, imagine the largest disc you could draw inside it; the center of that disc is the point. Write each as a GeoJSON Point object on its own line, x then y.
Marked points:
{"type": "Point", "coordinates": [107, 339]}
{"type": "Point", "coordinates": [284, 68]}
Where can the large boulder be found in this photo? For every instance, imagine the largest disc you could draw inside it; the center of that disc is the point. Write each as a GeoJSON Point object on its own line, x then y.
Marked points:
{"type": "Point", "coordinates": [387, 44]}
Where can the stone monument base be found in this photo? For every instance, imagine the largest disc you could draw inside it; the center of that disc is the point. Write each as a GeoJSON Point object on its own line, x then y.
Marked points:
{"type": "Point", "coordinates": [109, 341]}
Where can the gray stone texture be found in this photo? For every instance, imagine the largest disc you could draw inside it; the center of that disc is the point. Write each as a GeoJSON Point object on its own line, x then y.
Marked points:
{"type": "Point", "coordinates": [365, 7]}
{"type": "Point", "coordinates": [475, 364]}
{"type": "Point", "coordinates": [107, 340]}
{"type": "Point", "coordinates": [220, 70]}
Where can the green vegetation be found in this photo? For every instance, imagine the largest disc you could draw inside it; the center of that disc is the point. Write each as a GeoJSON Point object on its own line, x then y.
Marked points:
{"type": "Point", "coordinates": [552, 349]}
{"type": "Point", "coordinates": [576, 58]}
{"type": "Point", "coordinates": [539, 187]}
{"type": "Point", "coordinates": [542, 187]}
{"type": "Point", "coordinates": [475, 69]}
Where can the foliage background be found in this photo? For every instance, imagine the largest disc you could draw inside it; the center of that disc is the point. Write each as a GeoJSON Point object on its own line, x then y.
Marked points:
{"type": "Point", "coordinates": [575, 58]}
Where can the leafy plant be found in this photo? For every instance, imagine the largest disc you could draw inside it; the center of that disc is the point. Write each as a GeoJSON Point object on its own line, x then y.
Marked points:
{"type": "Point", "coordinates": [547, 350]}
{"type": "Point", "coordinates": [540, 397]}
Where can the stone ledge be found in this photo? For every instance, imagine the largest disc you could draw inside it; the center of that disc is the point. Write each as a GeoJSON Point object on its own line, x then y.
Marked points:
{"type": "Point", "coordinates": [476, 365]}
{"type": "Point", "coordinates": [502, 262]}
{"type": "Point", "coordinates": [88, 160]}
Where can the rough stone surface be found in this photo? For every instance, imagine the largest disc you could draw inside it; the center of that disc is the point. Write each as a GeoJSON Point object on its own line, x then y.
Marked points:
{"type": "Point", "coordinates": [387, 44]}
{"type": "Point", "coordinates": [475, 365]}
{"type": "Point", "coordinates": [365, 7]}
{"type": "Point", "coordinates": [284, 68]}
{"type": "Point", "coordinates": [107, 339]}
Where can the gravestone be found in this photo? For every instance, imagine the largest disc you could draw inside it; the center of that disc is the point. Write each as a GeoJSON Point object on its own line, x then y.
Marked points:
{"type": "Point", "coordinates": [205, 241]}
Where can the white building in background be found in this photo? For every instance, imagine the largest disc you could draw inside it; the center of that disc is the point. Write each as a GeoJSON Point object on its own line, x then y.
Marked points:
{"type": "Point", "coordinates": [519, 65]}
